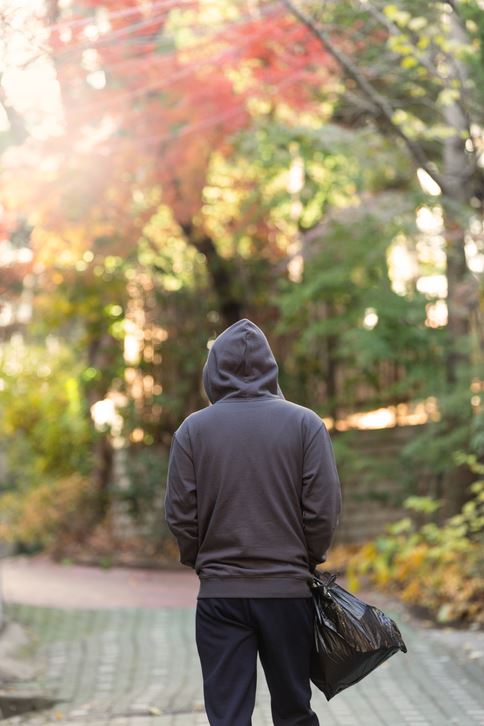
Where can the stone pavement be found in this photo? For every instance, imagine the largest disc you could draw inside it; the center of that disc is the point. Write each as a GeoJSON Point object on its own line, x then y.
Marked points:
{"type": "Point", "coordinates": [126, 656]}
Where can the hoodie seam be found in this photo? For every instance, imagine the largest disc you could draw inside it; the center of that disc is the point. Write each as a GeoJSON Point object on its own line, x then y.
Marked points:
{"type": "Point", "coordinates": [181, 445]}
{"type": "Point", "coordinates": [321, 428]}
{"type": "Point", "coordinates": [246, 367]}
{"type": "Point", "coordinates": [190, 455]}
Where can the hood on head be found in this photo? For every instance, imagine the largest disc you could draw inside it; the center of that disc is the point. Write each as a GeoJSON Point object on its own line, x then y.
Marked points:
{"type": "Point", "coordinates": [240, 364]}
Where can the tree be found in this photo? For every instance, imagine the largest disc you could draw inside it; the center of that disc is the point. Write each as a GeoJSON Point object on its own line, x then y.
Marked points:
{"type": "Point", "coordinates": [425, 90]}
{"type": "Point", "coordinates": [149, 98]}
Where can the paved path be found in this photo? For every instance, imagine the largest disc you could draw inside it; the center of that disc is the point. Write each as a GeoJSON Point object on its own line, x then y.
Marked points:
{"type": "Point", "coordinates": [118, 649]}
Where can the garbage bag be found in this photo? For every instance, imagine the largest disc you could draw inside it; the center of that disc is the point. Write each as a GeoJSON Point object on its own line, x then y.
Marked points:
{"type": "Point", "coordinates": [351, 637]}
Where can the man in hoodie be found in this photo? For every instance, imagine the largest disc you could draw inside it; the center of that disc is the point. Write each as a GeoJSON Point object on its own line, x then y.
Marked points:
{"type": "Point", "coordinates": [253, 498]}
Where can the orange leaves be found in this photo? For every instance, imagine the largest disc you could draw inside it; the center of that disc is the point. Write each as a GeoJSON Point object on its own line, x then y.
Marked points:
{"type": "Point", "coordinates": [150, 91]}
{"type": "Point", "coordinates": [287, 52]}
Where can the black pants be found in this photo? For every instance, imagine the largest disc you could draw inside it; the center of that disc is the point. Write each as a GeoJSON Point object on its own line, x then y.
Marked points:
{"type": "Point", "coordinates": [229, 633]}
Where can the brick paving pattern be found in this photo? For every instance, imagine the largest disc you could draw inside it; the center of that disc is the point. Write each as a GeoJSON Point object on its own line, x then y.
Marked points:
{"type": "Point", "coordinates": [138, 666]}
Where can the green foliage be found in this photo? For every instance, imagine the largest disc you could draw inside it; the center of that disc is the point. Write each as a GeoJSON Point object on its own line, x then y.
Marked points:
{"type": "Point", "coordinates": [417, 49]}
{"type": "Point", "coordinates": [247, 205]}
{"type": "Point", "coordinates": [144, 492]}
{"type": "Point", "coordinates": [44, 423]}
{"type": "Point", "coordinates": [346, 277]}
{"type": "Point", "coordinates": [449, 442]}
{"type": "Point", "coordinates": [423, 504]}
{"type": "Point", "coordinates": [87, 309]}
{"type": "Point", "coordinates": [372, 466]}
{"type": "Point", "coordinates": [46, 441]}
{"type": "Point", "coordinates": [335, 169]}
{"type": "Point", "coordinates": [439, 568]}
{"type": "Point", "coordinates": [49, 515]}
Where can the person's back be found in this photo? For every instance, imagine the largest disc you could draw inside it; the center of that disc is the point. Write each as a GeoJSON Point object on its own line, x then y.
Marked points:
{"type": "Point", "coordinates": [253, 498]}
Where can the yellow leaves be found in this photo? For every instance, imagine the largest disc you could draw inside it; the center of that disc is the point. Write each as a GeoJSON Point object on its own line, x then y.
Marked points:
{"type": "Point", "coordinates": [417, 23]}
{"type": "Point", "coordinates": [400, 44]}
{"type": "Point", "coordinates": [242, 76]}
{"type": "Point", "coordinates": [340, 556]}
{"type": "Point", "coordinates": [399, 116]}
{"type": "Point", "coordinates": [111, 262]}
{"type": "Point", "coordinates": [40, 514]}
{"type": "Point", "coordinates": [400, 527]}
{"type": "Point", "coordinates": [441, 40]}
{"type": "Point", "coordinates": [369, 551]}
{"type": "Point", "coordinates": [259, 106]}
{"type": "Point", "coordinates": [381, 574]}
{"type": "Point", "coordinates": [448, 96]}
{"type": "Point", "coordinates": [408, 563]}
{"type": "Point", "coordinates": [416, 91]}
{"type": "Point", "coordinates": [358, 275]}
{"type": "Point", "coordinates": [437, 566]}
{"type": "Point", "coordinates": [409, 62]}
{"type": "Point", "coordinates": [423, 42]}
{"type": "Point", "coordinates": [441, 131]}
{"type": "Point", "coordinates": [353, 581]}
{"type": "Point", "coordinates": [432, 575]}
{"type": "Point", "coordinates": [11, 510]}
{"type": "Point", "coordinates": [412, 592]}
{"type": "Point", "coordinates": [471, 26]}
{"type": "Point", "coordinates": [396, 15]}
{"type": "Point", "coordinates": [414, 127]}
{"type": "Point", "coordinates": [73, 395]}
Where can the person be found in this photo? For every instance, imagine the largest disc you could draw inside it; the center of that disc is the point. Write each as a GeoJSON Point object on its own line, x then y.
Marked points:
{"type": "Point", "coordinates": [253, 498]}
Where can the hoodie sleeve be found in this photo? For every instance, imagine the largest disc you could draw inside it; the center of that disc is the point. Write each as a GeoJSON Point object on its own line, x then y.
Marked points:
{"type": "Point", "coordinates": [181, 498]}
{"type": "Point", "coordinates": [321, 496]}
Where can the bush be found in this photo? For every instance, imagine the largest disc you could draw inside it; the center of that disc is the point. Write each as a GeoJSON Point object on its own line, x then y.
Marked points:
{"type": "Point", "coordinates": [46, 440]}
{"type": "Point", "coordinates": [437, 568]}
{"type": "Point", "coordinates": [50, 515]}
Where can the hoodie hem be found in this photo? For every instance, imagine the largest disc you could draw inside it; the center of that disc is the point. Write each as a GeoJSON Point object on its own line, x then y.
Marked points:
{"type": "Point", "coordinates": [230, 586]}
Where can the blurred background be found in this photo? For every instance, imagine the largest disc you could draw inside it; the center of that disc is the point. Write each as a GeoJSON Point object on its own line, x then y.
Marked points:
{"type": "Point", "coordinates": [171, 166]}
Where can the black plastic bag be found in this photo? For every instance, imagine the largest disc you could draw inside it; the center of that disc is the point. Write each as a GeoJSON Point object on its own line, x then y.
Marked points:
{"type": "Point", "coordinates": [351, 638]}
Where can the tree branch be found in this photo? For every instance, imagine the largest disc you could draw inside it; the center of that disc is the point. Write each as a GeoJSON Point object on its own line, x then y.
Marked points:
{"type": "Point", "coordinates": [379, 102]}
{"type": "Point", "coordinates": [427, 62]}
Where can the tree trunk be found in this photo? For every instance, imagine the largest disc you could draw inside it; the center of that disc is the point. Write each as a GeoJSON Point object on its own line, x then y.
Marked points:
{"type": "Point", "coordinates": [101, 346]}
{"type": "Point", "coordinates": [101, 353]}
{"type": "Point", "coordinates": [462, 295]}
{"type": "Point", "coordinates": [460, 178]}
{"type": "Point", "coordinates": [331, 368]}
{"type": "Point", "coordinates": [221, 274]}
{"type": "Point", "coordinates": [461, 182]}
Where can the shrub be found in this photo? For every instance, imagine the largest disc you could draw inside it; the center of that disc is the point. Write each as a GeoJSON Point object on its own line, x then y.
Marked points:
{"type": "Point", "coordinates": [438, 568]}
{"type": "Point", "coordinates": [49, 515]}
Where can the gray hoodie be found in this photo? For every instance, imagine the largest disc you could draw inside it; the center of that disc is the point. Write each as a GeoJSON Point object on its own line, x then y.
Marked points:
{"type": "Point", "coordinates": [253, 495]}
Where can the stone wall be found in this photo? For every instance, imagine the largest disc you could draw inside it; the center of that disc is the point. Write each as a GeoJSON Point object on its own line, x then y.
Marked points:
{"type": "Point", "coordinates": [371, 502]}
{"type": "Point", "coordinates": [367, 462]}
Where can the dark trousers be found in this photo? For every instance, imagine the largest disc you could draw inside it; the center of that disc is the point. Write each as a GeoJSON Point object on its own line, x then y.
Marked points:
{"type": "Point", "coordinates": [229, 634]}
